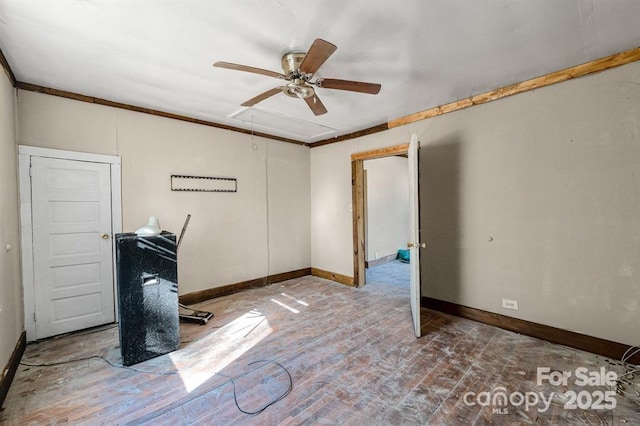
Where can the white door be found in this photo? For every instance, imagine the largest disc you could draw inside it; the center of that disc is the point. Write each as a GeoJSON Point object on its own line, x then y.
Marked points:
{"type": "Point", "coordinates": [414, 231]}
{"type": "Point", "coordinates": [72, 252]}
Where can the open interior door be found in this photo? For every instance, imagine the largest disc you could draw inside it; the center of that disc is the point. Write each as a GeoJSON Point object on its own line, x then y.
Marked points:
{"type": "Point", "coordinates": [414, 231]}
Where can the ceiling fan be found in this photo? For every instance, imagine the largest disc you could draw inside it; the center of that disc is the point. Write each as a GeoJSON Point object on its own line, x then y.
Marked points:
{"type": "Point", "coordinates": [299, 68]}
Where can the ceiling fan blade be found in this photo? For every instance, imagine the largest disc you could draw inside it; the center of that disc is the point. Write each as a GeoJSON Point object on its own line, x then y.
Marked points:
{"type": "Point", "coordinates": [318, 53]}
{"type": "Point", "coordinates": [316, 105]}
{"type": "Point", "coordinates": [246, 68]}
{"type": "Point", "coordinates": [262, 96]}
{"type": "Point", "coordinates": [352, 86]}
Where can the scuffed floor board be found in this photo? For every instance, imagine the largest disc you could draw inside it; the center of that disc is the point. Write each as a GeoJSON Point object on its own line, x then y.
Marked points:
{"type": "Point", "coordinates": [351, 354]}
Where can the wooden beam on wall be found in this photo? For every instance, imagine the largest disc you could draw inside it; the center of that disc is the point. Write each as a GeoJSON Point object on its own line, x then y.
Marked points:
{"type": "Point", "coordinates": [357, 202]}
{"type": "Point", "coordinates": [381, 152]}
{"type": "Point", "coordinates": [592, 67]}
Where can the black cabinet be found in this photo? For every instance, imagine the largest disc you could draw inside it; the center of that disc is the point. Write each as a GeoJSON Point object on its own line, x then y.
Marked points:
{"type": "Point", "coordinates": [147, 281]}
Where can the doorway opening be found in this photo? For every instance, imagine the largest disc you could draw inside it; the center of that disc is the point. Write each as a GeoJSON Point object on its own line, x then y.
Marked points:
{"type": "Point", "coordinates": [358, 208]}
{"type": "Point", "coordinates": [359, 205]}
{"type": "Point", "coordinates": [386, 217]}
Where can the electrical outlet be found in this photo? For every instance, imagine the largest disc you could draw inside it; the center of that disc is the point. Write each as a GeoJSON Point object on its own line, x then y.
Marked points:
{"type": "Point", "coordinates": [510, 304]}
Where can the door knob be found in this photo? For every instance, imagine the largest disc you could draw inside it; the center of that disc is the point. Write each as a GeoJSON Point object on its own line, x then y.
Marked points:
{"type": "Point", "coordinates": [417, 245]}
{"type": "Point", "coordinates": [104, 236]}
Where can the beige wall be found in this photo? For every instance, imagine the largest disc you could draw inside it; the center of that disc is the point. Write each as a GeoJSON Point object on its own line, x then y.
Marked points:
{"type": "Point", "coordinates": [11, 316]}
{"type": "Point", "coordinates": [226, 241]}
{"type": "Point", "coordinates": [387, 206]}
{"type": "Point", "coordinates": [331, 217]}
{"type": "Point", "coordinates": [551, 177]}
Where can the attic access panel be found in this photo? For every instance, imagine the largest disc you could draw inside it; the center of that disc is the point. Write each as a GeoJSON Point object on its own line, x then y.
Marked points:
{"type": "Point", "coordinates": [290, 126]}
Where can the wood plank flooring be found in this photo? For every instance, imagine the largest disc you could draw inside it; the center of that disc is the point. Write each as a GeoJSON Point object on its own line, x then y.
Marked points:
{"type": "Point", "coordinates": [351, 354]}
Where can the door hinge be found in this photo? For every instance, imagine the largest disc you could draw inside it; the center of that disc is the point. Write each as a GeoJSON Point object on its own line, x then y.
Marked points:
{"type": "Point", "coordinates": [29, 170]}
{"type": "Point", "coordinates": [34, 317]}
{"type": "Point", "coordinates": [417, 245]}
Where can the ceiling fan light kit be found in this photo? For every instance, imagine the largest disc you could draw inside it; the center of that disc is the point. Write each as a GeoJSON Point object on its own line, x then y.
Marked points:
{"type": "Point", "coordinates": [299, 68]}
{"type": "Point", "coordinates": [298, 90]}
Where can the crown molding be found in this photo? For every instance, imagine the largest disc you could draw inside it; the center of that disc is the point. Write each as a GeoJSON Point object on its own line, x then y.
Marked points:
{"type": "Point", "coordinates": [99, 101]}
{"type": "Point", "coordinates": [598, 65]}
{"type": "Point", "coordinates": [368, 131]}
{"type": "Point", "coordinates": [7, 68]}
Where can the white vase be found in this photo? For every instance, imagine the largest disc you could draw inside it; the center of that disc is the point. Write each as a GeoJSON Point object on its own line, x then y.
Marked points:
{"type": "Point", "coordinates": [151, 228]}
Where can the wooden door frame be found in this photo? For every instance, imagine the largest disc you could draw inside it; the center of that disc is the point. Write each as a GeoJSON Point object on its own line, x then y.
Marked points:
{"type": "Point", "coordinates": [26, 226]}
{"type": "Point", "coordinates": [358, 207]}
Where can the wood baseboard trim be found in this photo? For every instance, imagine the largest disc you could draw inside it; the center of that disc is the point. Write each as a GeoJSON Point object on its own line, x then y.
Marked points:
{"type": "Point", "coordinates": [342, 279]}
{"type": "Point", "coordinates": [560, 336]}
{"type": "Point", "coordinates": [381, 260]}
{"type": "Point", "coordinates": [212, 293]}
{"type": "Point", "coordinates": [9, 371]}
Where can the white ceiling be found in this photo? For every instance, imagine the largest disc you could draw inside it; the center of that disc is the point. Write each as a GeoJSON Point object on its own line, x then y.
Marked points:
{"type": "Point", "coordinates": [425, 53]}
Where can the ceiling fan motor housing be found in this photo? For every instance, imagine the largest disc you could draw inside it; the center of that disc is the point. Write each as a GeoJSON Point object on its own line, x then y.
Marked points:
{"type": "Point", "coordinates": [298, 86]}
{"type": "Point", "coordinates": [291, 64]}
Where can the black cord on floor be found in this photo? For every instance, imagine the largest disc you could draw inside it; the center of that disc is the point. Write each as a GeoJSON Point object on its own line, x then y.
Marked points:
{"type": "Point", "coordinates": [260, 410]}
{"type": "Point", "coordinates": [230, 379]}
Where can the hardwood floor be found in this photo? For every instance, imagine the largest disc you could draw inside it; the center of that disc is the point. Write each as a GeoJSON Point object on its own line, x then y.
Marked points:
{"type": "Point", "coordinates": [351, 354]}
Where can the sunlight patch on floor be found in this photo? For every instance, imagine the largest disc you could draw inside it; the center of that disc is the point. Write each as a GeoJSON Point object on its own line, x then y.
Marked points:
{"type": "Point", "coordinates": [199, 361]}
{"type": "Point", "coordinates": [301, 302]}
{"type": "Point", "coordinates": [284, 305]}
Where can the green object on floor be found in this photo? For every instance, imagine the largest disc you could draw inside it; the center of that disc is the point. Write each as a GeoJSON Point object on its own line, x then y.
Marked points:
{"type": "Point", "coordinates": [403, 255]}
